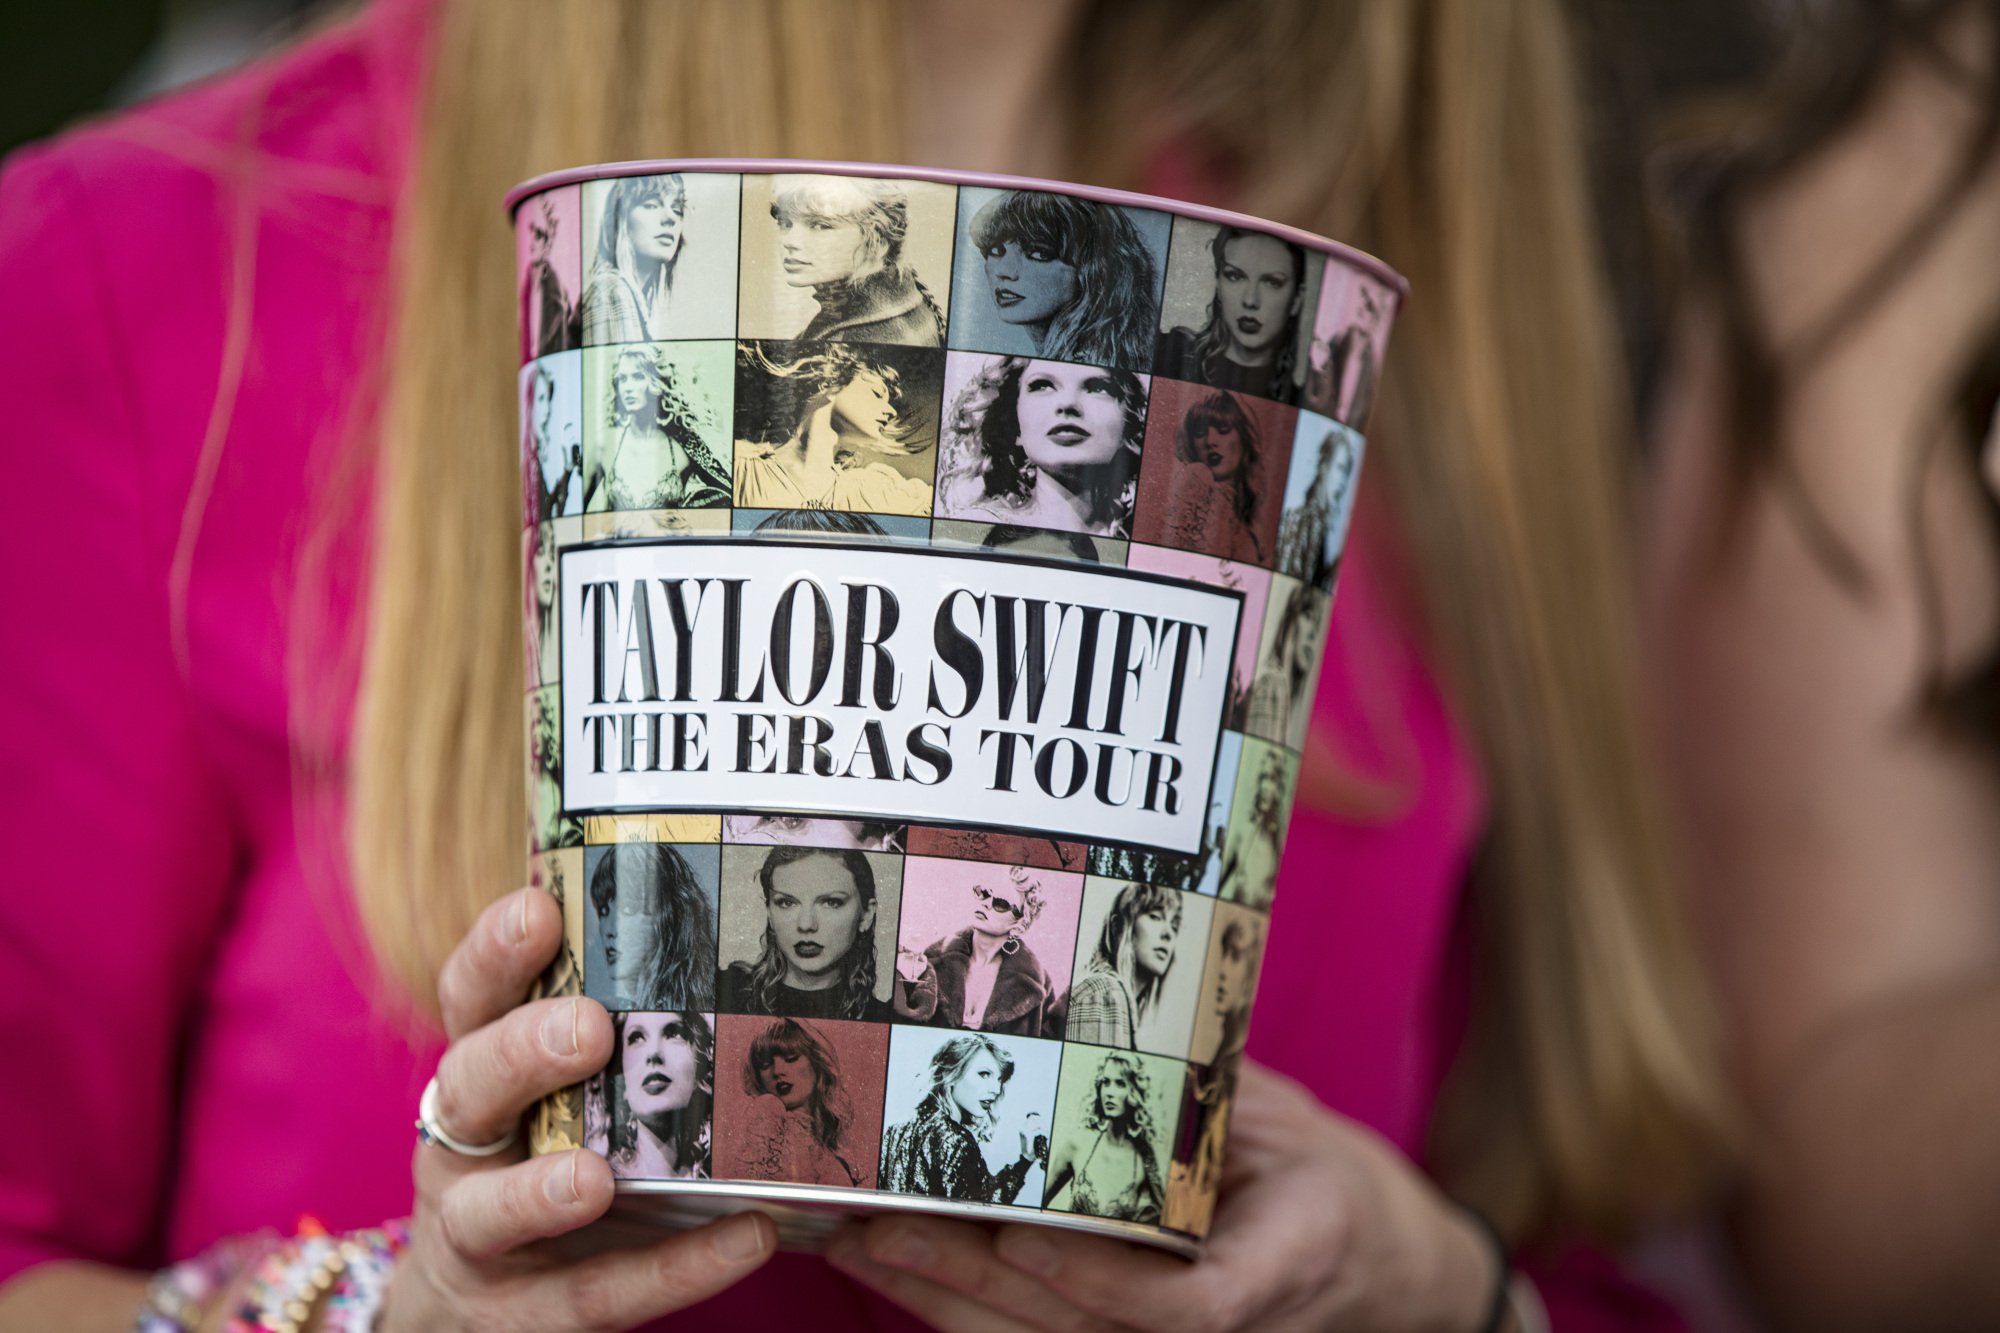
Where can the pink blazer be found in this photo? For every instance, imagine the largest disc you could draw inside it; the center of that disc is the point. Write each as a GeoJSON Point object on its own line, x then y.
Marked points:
{"type": "Point", "coordinates": [190, 1041]}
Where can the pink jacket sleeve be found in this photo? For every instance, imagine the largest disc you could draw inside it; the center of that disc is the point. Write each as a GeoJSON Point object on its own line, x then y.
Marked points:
{"type": "Point", "coordinates": [122, 853]}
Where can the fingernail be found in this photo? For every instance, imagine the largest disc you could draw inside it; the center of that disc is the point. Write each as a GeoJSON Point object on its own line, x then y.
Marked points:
{"type": "Point", "coordinates": [738, 1239]}
{"type": "Point", "coordinates": [521, 920]}
{"type": "Point", "coordinates": [559, 1032]}
{"type": "Point", "coordinates": [1031, 1253]}
{"type": "Point", "coordinates": [904, 1247]}
{"type": "Point", "coordinates": [559, 1184]}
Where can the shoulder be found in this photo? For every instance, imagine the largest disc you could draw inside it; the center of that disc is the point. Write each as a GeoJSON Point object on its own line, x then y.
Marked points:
{"type": "Point", "coordinates": [327, 120]}
{"type": "Point", "coordinates": [134, 224]}
{"type": "Point", "coordinates": [604, 283]}
{"type": "Point", "coordinates": [1095, 984]}
{"type": "Point", "coordinates": [881, 482]}
{"type": "Point", "coordinates": [766, 1113]}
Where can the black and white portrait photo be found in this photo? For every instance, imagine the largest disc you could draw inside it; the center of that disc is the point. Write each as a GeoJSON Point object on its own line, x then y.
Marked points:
{"type": "Point", "coordinates": [1231, 314]}
{"type": "Point", "coordinates": [846, 259]}
{"type": "Point", "coordinates": [986, 947]}
{"type": "Point", "coordinates": [968, 1116]}
{"type": "Point", "coordinates": [1213, 479]}
{"type": "Point", "coordinates": [542, 544]}
{"type": "Point", "coordinates": [1228, 984]}
{"type": "Point", "coordinates": [802, 1102]}
{"type": "Point", "coordinates": [1319, 501]}
{"type": "Point", "coordinates": [1138, 962]}
{"type": "Point", "coordinates": [649, 938]}
{"type": "Point", "coordinates": [1114, 1130]}
{"type": "Point", "coordinates": [549, 256]}
{"type": "Point", "coordinates": [552, 435]}
{"type": "Point", "coordinates": [550, 827]}
{"type": "Point", "coordinates": [650, 1112]}
{"type": "Point", "coordinates": [1056, 277]}
{"type": "Point", "coordinates": [661, 436]}
{"type": "Point", "coordinates": [1344, 359]}
{"type": "Point", "coordinates": [1288, 659]}
{"type": "Point", "coordinates": [1194, 1178]}
{"type": "Point", "coordinates": [1042, 444]}
{"type": "Point", "coordinates": [1257, 823]}
{"type": "Point", "coordinates": [808, 931]}
{"type": "Point", "coordinates": [560, 875]}
{"type": "Point", "coordinates": [836, 426]}
{"type": "Point", "coordinates": [660, 261]}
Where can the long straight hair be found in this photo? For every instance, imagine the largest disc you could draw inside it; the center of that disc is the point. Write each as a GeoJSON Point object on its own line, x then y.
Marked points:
{"type": "Point", "coordinates": [1116, 941]}
{"type": "Point", "coordinates": [1586, 1093]}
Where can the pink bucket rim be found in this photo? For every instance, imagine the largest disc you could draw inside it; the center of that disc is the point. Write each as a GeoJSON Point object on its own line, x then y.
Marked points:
{"type": "Point", "coordinates": [768, 166]}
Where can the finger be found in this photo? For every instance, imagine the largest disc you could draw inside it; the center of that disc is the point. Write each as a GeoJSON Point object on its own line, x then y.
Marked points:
{"type": "Point", "coordinates": [492, 1074]}
{"type": "Point", "coordinates": [1118, 1281]}
{"type": "Point", "coordinates": [490, 970]}
{"type": "Point", "coordinates": [935, 1304]}
{"type": "Point", "coordinates": [630, 1287]}
{"type": "Point", "coordinates": [958, 1257]}
{"type": "Point", "coordinates": [485, 1214]}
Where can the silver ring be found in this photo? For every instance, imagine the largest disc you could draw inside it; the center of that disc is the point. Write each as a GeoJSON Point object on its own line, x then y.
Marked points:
{"type": "Point", "coordinates": [429, 1131]}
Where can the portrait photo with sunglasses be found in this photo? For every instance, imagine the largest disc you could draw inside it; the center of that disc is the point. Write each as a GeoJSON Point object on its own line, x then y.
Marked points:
{"type": "Point", "coordinates": [986, 947]}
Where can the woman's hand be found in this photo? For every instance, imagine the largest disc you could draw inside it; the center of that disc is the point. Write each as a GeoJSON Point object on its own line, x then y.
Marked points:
{"type": "Point", "coordinates": [1321, 1226]}
{"type": "Point", "coordinates": [911, 965]}
{"type": "Point", "coordinates": [475, 1260]}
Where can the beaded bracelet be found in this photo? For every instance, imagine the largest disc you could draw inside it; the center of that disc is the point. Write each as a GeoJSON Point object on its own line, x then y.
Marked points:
{"type": "Point", "coordinates": [177, 1296]}
{"type": "Point", "coordinates": [346, 1276]}
{"type": "Point", "coordinates": [287, 1284]}
{"type": "Point", "coordinates": [357, 1297]}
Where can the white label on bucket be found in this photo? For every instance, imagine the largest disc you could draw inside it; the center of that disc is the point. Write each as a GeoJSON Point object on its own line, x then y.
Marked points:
{"type": "Point", "coordinates": [912, 684]}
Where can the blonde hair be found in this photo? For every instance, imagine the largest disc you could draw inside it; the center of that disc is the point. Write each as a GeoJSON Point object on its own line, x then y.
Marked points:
{"type": "Point", "coordinates": [1586, 1092]}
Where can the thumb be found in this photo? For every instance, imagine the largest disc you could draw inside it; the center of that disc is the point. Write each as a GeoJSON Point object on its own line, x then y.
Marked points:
{"type": "Point", "coordinates": [633, 1287]}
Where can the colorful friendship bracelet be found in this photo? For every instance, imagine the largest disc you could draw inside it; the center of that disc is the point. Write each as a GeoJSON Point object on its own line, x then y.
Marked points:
{"type": "Point", "coordinates": [343, 1278]}
{"type": "Point", "coordinates": [287, 1286]}
{"type": "Point", "coordinates": [178, 1295]}
{"type": "Point", "coordinates": [357, 1297]}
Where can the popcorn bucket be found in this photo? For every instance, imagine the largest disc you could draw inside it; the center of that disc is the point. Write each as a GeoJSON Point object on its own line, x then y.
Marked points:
{"type": "Point", "coordinates": [926, 580]}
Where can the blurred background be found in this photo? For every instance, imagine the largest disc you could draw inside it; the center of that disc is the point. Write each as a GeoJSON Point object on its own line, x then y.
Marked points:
{"type": "Point", "coordinates": [1649, 61]}
{"type": "Point", "coordinates": [62, 59]}
{"type": "Point", "coordinates": [1650, 64]}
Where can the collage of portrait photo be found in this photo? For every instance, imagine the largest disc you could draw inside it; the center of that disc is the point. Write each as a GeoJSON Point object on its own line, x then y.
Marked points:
{"type": "Point", "coordinates": [960, 1013]}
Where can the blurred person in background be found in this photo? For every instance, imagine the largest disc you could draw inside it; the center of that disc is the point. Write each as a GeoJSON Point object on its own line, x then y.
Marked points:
{"type": "Point", "coordinates": [298, 370]}
{"type": "Point", "coordinates": [1825, 594]}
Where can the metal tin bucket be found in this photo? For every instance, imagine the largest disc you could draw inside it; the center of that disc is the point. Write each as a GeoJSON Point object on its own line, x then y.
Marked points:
{"type": "Point", "coordinates": [927, 576]}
